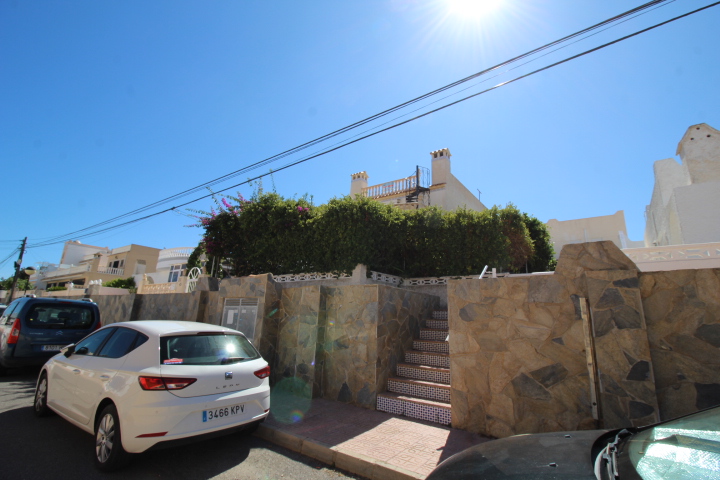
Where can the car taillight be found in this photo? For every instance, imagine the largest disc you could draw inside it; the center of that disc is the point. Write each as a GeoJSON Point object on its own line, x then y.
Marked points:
{"type": "Point", "coordinates": [14, 333]}
{"type": "Point", "coordinates": [165, 383]}
{"type": "Point", "coordinates": [98, 326]}
{"type": "Point", "coordinates": [264, 373]}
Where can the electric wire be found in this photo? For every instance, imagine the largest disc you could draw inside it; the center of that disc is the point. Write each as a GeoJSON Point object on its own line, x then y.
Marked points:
{"type": "Point", "coordinates": [326, 151]}
{"type": "Point", "coordinates": [616, 19]}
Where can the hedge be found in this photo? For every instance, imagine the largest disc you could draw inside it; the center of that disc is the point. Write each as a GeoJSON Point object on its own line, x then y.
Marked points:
{"type": "Point", "coordinates": [271, 234]}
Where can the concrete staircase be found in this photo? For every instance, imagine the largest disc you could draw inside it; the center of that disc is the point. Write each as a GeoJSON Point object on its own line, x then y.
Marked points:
{"type": "Point", "coordinates": [421, 388]}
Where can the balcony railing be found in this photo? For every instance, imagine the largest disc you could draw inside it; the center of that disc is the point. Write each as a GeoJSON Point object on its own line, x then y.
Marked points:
{"type": "Point", "coordinates": [180, 252]}
{"type": "Point", "coordinates": [63, 271]}
{"type": "Point", "coordinates": [111, 271]}
{"type": "Point", "coordinates": [390, 188]}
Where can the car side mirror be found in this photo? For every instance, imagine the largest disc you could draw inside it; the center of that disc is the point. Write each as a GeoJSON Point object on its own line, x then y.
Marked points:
{"type": "Point", "coordinates": [69, 350]}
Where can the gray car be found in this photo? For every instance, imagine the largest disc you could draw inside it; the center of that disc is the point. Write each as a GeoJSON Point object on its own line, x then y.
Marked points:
{"type": "Point", "coordinates": [686, 448]}
{"type": "Point", "coordinates": [34, 329]}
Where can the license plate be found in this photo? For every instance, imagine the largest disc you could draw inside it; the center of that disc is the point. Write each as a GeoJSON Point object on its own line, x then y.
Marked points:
{"type": "Point", "coordinates": [52, 348]}
{"type": "Point", "coordinates": [218, 413]}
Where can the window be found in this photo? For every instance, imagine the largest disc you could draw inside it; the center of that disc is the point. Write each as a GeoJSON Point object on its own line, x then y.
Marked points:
{"type": "Point", "coordinates": [90, 345]}
{"type": "Point", "coordinates": [122, 342]}
{"type": "Point", "coordinates": [60, 316]}
{"type": "Point", "coordinates": [175, 272]}
{"type": "Point", "coordinates": [10, 314]}
{"type": "Point", "coordinates": [208, 349]}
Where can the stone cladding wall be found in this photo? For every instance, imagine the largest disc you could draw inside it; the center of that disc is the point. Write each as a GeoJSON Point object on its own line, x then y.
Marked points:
{"type": "Point", "coordinates": [518, 355]}
{"type": "Point", "coordinates": [114, 308]}
{"type": "Point", "coordinates": [344, 342]}
{"type": "Point", "coordinates": [170, 306]}
{"type": "Point", "coordinates": [267, 293]}
{"type": "Point", "coordinates": [682, 310]}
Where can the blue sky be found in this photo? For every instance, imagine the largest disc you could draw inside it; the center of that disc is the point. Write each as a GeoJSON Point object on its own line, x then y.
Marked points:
{"type": "Point", "coordinates": [108, 106]}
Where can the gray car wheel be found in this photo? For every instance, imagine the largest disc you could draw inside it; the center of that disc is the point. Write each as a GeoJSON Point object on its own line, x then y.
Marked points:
{"type": "Point", "coordinates": [109, 452]}
{"type": "Point", "coordinates": [40, 405]}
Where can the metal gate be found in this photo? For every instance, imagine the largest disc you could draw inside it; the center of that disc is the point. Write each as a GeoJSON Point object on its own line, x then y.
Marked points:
{"type": "Point", "coordinates": [241, 314]}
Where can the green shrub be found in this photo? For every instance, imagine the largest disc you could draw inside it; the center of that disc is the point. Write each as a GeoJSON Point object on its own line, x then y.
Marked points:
{"type": "Point", "coordinates": [270, 234]}
{"type": "Point", "coordinates": [128, 283]}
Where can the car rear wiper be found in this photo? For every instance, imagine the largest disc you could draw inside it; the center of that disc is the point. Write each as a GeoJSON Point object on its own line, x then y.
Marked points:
{"type": "Point", "coordinates": [227, 360]}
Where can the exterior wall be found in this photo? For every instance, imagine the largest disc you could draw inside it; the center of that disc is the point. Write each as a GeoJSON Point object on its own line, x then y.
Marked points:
{"type": "Point", "coordinates": [297, 338]}
{"type": "Point", "coordinates": [115, 308]}
{"type": "Point", "coordinates": [171, 306]}
{"type": "Point", "coordinates": [446, 191]}
{"type": "Point", "coordinates": [74, 252]}
{"type": "Point", "coordinates": [698, 212]}
{"type": "Point", "coordinates": [680, 210]}
{"type": "Point", "coordinates": [675, 257]}
{"type": "Point", "coordinates": [267, 293]}
{"type": "Point", "coordinates": [348, 334]}
{"type": "Point", "coordinates": [342, 343]}
{"type": "Point", "coordinates": [592, 229]}
{"type": "Point", "coordinates": [455, 195]}
{"type": "Point", "coordinates": [518, 351]}
{"type": "Point", "coordinates": [682, 310]}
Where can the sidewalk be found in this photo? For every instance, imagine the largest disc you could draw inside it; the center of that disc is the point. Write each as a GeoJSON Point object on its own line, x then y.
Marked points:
{"type": "Point", "coordinates": [370, 443]}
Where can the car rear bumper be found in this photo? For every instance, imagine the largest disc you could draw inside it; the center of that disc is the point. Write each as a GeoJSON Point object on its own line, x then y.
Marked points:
{"type": "Point", "coordinates": [176, 418]}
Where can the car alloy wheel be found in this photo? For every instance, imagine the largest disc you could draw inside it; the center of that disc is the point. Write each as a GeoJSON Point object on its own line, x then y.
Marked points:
{"type": "Point", "coordinates": [109, 453]}
{"type": "Point", "coordinates": [41, 408]}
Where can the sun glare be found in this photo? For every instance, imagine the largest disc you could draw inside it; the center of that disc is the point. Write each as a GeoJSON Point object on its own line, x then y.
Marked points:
{"type": "Point", "coordinates": [473, 9]}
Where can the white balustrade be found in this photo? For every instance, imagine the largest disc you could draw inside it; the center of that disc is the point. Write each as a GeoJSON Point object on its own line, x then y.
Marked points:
{"type": "Point", "coordinates": [156, 288]}
{"type": "Point", "coordinates": [385, 278]}
{"type": "Point", "coordinates": [111, 271]}
{"type": "Point", "coordinates": [306, 277]}
{"type": "Point", "coordinates": [180, 252]}
{"type": "Point", "coordinates": [390, 188]}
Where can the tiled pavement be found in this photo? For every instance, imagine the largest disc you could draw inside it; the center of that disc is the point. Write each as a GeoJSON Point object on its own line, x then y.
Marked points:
{"type": "Point", "coordinates": [370, 443]}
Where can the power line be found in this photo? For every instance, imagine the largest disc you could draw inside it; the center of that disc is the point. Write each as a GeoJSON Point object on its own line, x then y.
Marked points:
{"type": "Point", "coordinates": [326, 151]}
{"type": "Point", "coordinates": [637, 10]}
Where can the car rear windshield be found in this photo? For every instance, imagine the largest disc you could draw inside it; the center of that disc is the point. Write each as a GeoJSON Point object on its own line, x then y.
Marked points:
{"type": "Point", "coordinates": [206, 349]}
{"type": "Point", "coordinates": [60, 316]}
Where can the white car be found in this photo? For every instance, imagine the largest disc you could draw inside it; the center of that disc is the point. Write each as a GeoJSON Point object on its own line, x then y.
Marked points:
{"type": "Point", "coordinates": [135, 385]}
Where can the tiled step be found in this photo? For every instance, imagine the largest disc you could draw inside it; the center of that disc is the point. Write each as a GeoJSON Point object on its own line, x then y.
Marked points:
{"type": "Point", "coordinates": [431, 346]}
{"type": "Point", "coordinates": [438, 324]}
{"type": "Point", "coordinates": [440, 315]}
{"type": "Point", "coordinates": [424, 372]}
{"type": "Point", "coordinates": [428, 358]}
{"type": "Point", "coordinates": [433, 334]}
{"type": "Point", "coordinates": [419, 388]}
{"type": "Point", "coordinates": [429, 410]}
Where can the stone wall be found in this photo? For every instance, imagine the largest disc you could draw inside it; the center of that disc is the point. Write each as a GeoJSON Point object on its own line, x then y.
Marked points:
{"type": "Point", "coordinates": [115, 308]}
{"type": "Point", "coordinates": [266, 292]}
{"type": "Point", "coordinates": [682, 310]}
{"type": "Point", "coordinates": [170, 306]}
{"type": "Point", "coordinates": [519, 348]}
{"type": "Point", "coordinates": [348, 338]}
{"type": "Point", "coordinates": [297, 337]}
{"type": "Point", "coordinates": [342, 343]}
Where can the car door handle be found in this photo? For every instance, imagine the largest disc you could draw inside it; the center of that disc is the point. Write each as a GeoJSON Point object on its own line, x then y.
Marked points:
{"type": "Point", "coordinates": [76, 371]}
{"type": "Point", "coordinates": [104, 377]}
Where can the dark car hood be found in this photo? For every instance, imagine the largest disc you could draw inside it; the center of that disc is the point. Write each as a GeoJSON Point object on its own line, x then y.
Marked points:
{"type": "Point", "coordinates": [561, 455]}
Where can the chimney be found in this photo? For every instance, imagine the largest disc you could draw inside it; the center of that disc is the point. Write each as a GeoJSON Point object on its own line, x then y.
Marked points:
{"type": "Point", "coordinates": [440, 166]}
{"type": "Point", "coordinates": [358, 183]}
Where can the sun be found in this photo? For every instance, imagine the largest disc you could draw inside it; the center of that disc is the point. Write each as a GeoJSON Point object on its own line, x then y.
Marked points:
{"type": "Point", "coordinates": [473, 9]}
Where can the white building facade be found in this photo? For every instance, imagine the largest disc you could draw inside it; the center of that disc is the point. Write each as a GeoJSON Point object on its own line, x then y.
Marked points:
{"type": "Point", "coordinates": [685, 204]}
{"type": "Point", "coordinates": [437, 187]}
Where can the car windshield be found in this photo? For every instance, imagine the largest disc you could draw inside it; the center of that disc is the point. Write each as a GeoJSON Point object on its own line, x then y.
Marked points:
{"type": "Point", "coordinates": [60, 316]}
{"type": "Point", "coordinates": [206, 349]}
{"type": "Point", "coordinates": [686, 448]}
